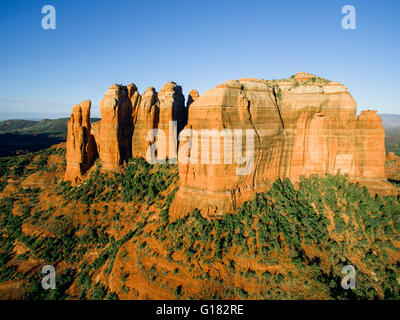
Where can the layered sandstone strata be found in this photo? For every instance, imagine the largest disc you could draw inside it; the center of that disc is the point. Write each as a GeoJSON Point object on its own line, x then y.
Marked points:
{"type": "Point", "coordinates": [134, 96]}
{"type": "Point", "coordinates": [81, 146]}
{"type": "Point", "coordinates": [300, 126]}
{"type": "Point", "coordinates": [172, 118]}
{"type": "Point", "coordinates": [115, 128]}
{"type": "Point", "coordinates": [157, 120]}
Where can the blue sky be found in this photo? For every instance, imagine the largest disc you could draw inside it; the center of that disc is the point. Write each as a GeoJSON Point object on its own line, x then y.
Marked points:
{"type": "Point", "coordinates": [197, 44]}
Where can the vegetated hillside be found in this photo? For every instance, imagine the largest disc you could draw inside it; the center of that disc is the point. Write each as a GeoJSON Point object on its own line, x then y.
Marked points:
{"type": "Point", "coordinates": [46, 126]}
{"type": "Point", "coordinates": [22, 136]}
{"type": "Point", "coordinates": [111, 237]}
{"type": "Point", "coordinates": [391, 123]}
{"type": "Point", "coordinates": [392, 140]}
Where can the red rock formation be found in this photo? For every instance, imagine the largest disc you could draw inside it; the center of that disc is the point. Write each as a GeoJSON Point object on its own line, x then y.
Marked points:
{"type": "Point", "coordinates": [303, 125]}
{"type": "Point", "coordinates": [298, 126]}
{"type": "Point", "coordinates": [146, 119]}
{"type": "Point", "coordinates": [134, 96]}
{"type": "Point", "coordinates": [370, 146]}
{"type": "Point", "coordinates": [193, 95]}
{"type": "Point", "coordinates": [127, 119]}
{"type": "Point", "coordinates": [157, 111]}
{"type": "Point", "coordinates": [115, 128]}
{"type": "Point", "coordinates": [172, 117]}
{"type": "Point", "coordinates": [81, 146]}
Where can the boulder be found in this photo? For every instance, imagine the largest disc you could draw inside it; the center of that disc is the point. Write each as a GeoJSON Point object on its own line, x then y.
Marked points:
{"type": "Point", "coordinates": [172, 118]}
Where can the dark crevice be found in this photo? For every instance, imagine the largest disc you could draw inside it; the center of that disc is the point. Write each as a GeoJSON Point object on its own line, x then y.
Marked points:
{"type": "Point", "coordinates": [277, 92]}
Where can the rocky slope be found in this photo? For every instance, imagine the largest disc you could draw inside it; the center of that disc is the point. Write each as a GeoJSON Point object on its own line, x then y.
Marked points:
{"type": "Point", "coordinates": [81, 146]}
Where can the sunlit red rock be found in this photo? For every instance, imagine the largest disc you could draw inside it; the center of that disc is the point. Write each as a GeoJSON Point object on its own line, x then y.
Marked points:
{"type": "Point", "coordinates": [81, 146]}
{"type": "Point", "coordinates": [115, 128]}
{"type": "Point", "coordinates": [172, 117]}
{"type": "Point", "coordinates": [302, 126]}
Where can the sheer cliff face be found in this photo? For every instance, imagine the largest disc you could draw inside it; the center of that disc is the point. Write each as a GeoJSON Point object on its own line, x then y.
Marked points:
{"type": "Point", "coordinates": [81, 146]}
{"type": "Point", "coordinates": [156, 111]}
{"type": "Point", "coordinates": [370, 145]}
{"type": "Point", "coordinates": [172, 116]}
{"type": "Point", "coordinates": [304, 125]}
{"type": "Point", "coordinates": [115, 128]}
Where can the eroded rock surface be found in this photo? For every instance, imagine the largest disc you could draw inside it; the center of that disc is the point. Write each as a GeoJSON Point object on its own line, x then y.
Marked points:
{"type": "Point", "coordinates": [81, 145]}
{"type": "Point", "coordinates": [302, 125]}
{"type": "Point", "coordinates": [116, 127]}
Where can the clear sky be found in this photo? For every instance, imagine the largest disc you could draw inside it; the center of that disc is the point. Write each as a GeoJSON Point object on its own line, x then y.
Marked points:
{"type": "Point", "coordinates": [197, 44]}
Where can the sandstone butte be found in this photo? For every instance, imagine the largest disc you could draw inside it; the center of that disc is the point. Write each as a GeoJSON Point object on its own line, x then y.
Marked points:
{"type": "Point", "coordinates": [303, 125]}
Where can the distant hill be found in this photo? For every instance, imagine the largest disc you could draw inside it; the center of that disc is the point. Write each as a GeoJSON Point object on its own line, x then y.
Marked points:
{"type": "Point", "coordinates": [22, 136]}
{"type": "Point", "coordinates": [390, 120]}
{"type": "Point", "coordinates": [391, 123]}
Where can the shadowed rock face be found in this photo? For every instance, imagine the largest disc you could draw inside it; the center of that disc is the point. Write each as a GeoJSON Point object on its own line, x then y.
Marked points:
{"type": "Point", "coordinates": [303, 125]}
{"type": "Point", "coordinates": [370, 145]}
{"type": "Point", "coordinates": [127, 118]}
{"type": "Point", "coordinates": [81, 146]}
{"type": "Point", "coordinates": [134, 96]}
